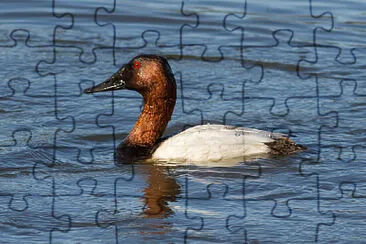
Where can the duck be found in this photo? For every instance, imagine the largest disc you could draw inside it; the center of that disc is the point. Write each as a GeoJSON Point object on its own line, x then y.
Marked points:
{"type": "Point", "coordinates": [152, 77]}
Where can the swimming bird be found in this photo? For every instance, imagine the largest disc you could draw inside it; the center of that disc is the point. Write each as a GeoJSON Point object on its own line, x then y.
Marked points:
{"type": "Point", "coordinates": [152, 77]}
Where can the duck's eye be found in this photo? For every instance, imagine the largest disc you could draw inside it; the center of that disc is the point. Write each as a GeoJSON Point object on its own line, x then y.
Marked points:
{"type": "Point", "coordinates": [137, 65]}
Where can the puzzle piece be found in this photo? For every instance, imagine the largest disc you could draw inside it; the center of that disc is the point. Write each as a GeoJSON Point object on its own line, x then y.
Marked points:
{"type": "Point", "coordinates": [288, 186]}
{"type": "Point", "coordinates": [346, 155]}
{"type": "Point", "coordinates": [70, 72]}
{"type": "Point", "coordinates": [18, 101]}
{"type": "Point", "coordinates": [213, 216]}
{"type": "Point", "coordinates": [120, 18]}
{"type": "Point", "coordinates": [83, 153]}
{"type": "Point", "coordinates": [260, 19]}
{"type": "Point", "coordinates": [213, 85]}
{"type": "Point", "coordinates": [85, 187]}
{"type": "Point", "coordinates": [328, 66]}
{"type": "Point", "coordinates": [261, 222]}
{"type": "Point", "coordinates": [349, 209]}
{"type": "Point", "coordinates": [205, 192]}
{"type": "Point", "coordinates": [213, 35]}
{"type": "Point", "coordinates": [196, 186]}
{"type": "Point", "coordinates": [21, 51]}
{"type": "Point", "coordinates": [344, 150]}
{"type": "Point", "coordinates": [69, 94]}
{"type": "Point", "coordinates": [23, 17]}
{"type": "Point", "coordinates": [346, 25]}
{"type": "Point", "coordinates": [332, 82]}
{"type": "Point", "coordinates": [17, 173]}
{"type": "Point", "coordinates": [83, 223]}
{"type": "Point", "coordinates": [26, 96]}
{"type": "Point", "coordinates": [330, 69]}
{"type": "Point", "coordinates": [89, 34]}
{"type": "Point", "coordinates": [139, 205]}
{"type": "Point", "coordinates": [274, 64]}
{"type": "Point", "coordinates": [37, 217]}
{"type": "Point", "coordinates": [150, 45]}
{"type": "Point", "coordinates": [67, 175]}
{"type": "Point", "coordinates": [260, 225]}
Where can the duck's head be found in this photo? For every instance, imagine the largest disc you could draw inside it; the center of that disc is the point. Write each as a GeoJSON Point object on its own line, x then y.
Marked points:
{"type": "Point", "coordinates": [150, 75]}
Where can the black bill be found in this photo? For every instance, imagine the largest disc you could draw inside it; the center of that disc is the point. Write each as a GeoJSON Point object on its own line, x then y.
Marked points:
{"type": "Point", "coordinates": [115, 82]}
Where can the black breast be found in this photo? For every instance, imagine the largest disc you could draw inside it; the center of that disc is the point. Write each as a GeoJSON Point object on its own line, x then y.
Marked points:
{"type": "Point", "coordinates": [131, 153]}
{"type": "Point", "coordinates": [128, 153]}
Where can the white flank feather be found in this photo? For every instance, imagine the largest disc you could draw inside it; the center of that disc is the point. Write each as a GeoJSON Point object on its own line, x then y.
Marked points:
{"type": "Point", "coordinates": [214, 143]}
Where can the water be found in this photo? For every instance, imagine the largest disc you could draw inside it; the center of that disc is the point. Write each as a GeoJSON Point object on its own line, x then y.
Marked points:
{"type": "Point", "coordinates": [275, 65]}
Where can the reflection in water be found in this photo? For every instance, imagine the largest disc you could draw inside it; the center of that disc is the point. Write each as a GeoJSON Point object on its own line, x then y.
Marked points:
{"type": "Point", "coordinates": [162, 189]}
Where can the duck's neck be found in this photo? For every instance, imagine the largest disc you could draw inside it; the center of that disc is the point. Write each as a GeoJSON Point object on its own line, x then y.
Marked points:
{"type": "Point", "coordinates": [153, 120]}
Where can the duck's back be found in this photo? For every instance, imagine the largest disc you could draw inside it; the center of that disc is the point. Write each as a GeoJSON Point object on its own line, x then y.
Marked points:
{"type": "Point", "coordinates": [216, 143]}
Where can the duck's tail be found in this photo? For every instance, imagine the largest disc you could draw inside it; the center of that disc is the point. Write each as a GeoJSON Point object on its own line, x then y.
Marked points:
{"type": "Point", "coordinates": [284, 146]}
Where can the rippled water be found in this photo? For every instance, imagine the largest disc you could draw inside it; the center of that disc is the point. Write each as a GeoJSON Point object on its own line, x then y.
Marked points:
{"type": "Point", "coordinates": [294, 67]}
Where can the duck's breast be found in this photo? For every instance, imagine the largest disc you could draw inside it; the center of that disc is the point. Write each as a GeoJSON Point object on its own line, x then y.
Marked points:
{"type": "Point", "coordinates": [214, 143]}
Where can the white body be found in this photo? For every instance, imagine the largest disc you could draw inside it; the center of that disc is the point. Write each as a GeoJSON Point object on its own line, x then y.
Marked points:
{"type": "Point", "coordinates": [214, 143]}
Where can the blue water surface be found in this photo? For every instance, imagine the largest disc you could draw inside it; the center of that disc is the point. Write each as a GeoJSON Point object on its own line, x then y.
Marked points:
{"type": "Point", "coordinates": [294, 67]}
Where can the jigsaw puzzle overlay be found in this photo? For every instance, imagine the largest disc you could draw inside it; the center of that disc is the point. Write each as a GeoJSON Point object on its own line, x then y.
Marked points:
{"type": "Point", "coordinates": [294, 67]}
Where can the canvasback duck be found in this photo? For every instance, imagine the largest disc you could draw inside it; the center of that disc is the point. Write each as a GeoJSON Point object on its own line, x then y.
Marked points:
{"type": "Point", "coordinates": [152, 77]}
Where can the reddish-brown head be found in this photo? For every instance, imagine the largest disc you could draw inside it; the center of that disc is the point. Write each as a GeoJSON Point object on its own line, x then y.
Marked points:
{"type": "Point", "coordinates": [150, 75]}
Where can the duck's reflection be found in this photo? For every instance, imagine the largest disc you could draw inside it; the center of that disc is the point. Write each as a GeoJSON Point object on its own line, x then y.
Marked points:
{"type": "Point", "coordinates": [162, 188]}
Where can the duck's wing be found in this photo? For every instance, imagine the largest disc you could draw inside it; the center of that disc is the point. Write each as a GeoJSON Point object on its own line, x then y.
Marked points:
{"type": "Point", "coordinates": [235, 130]}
